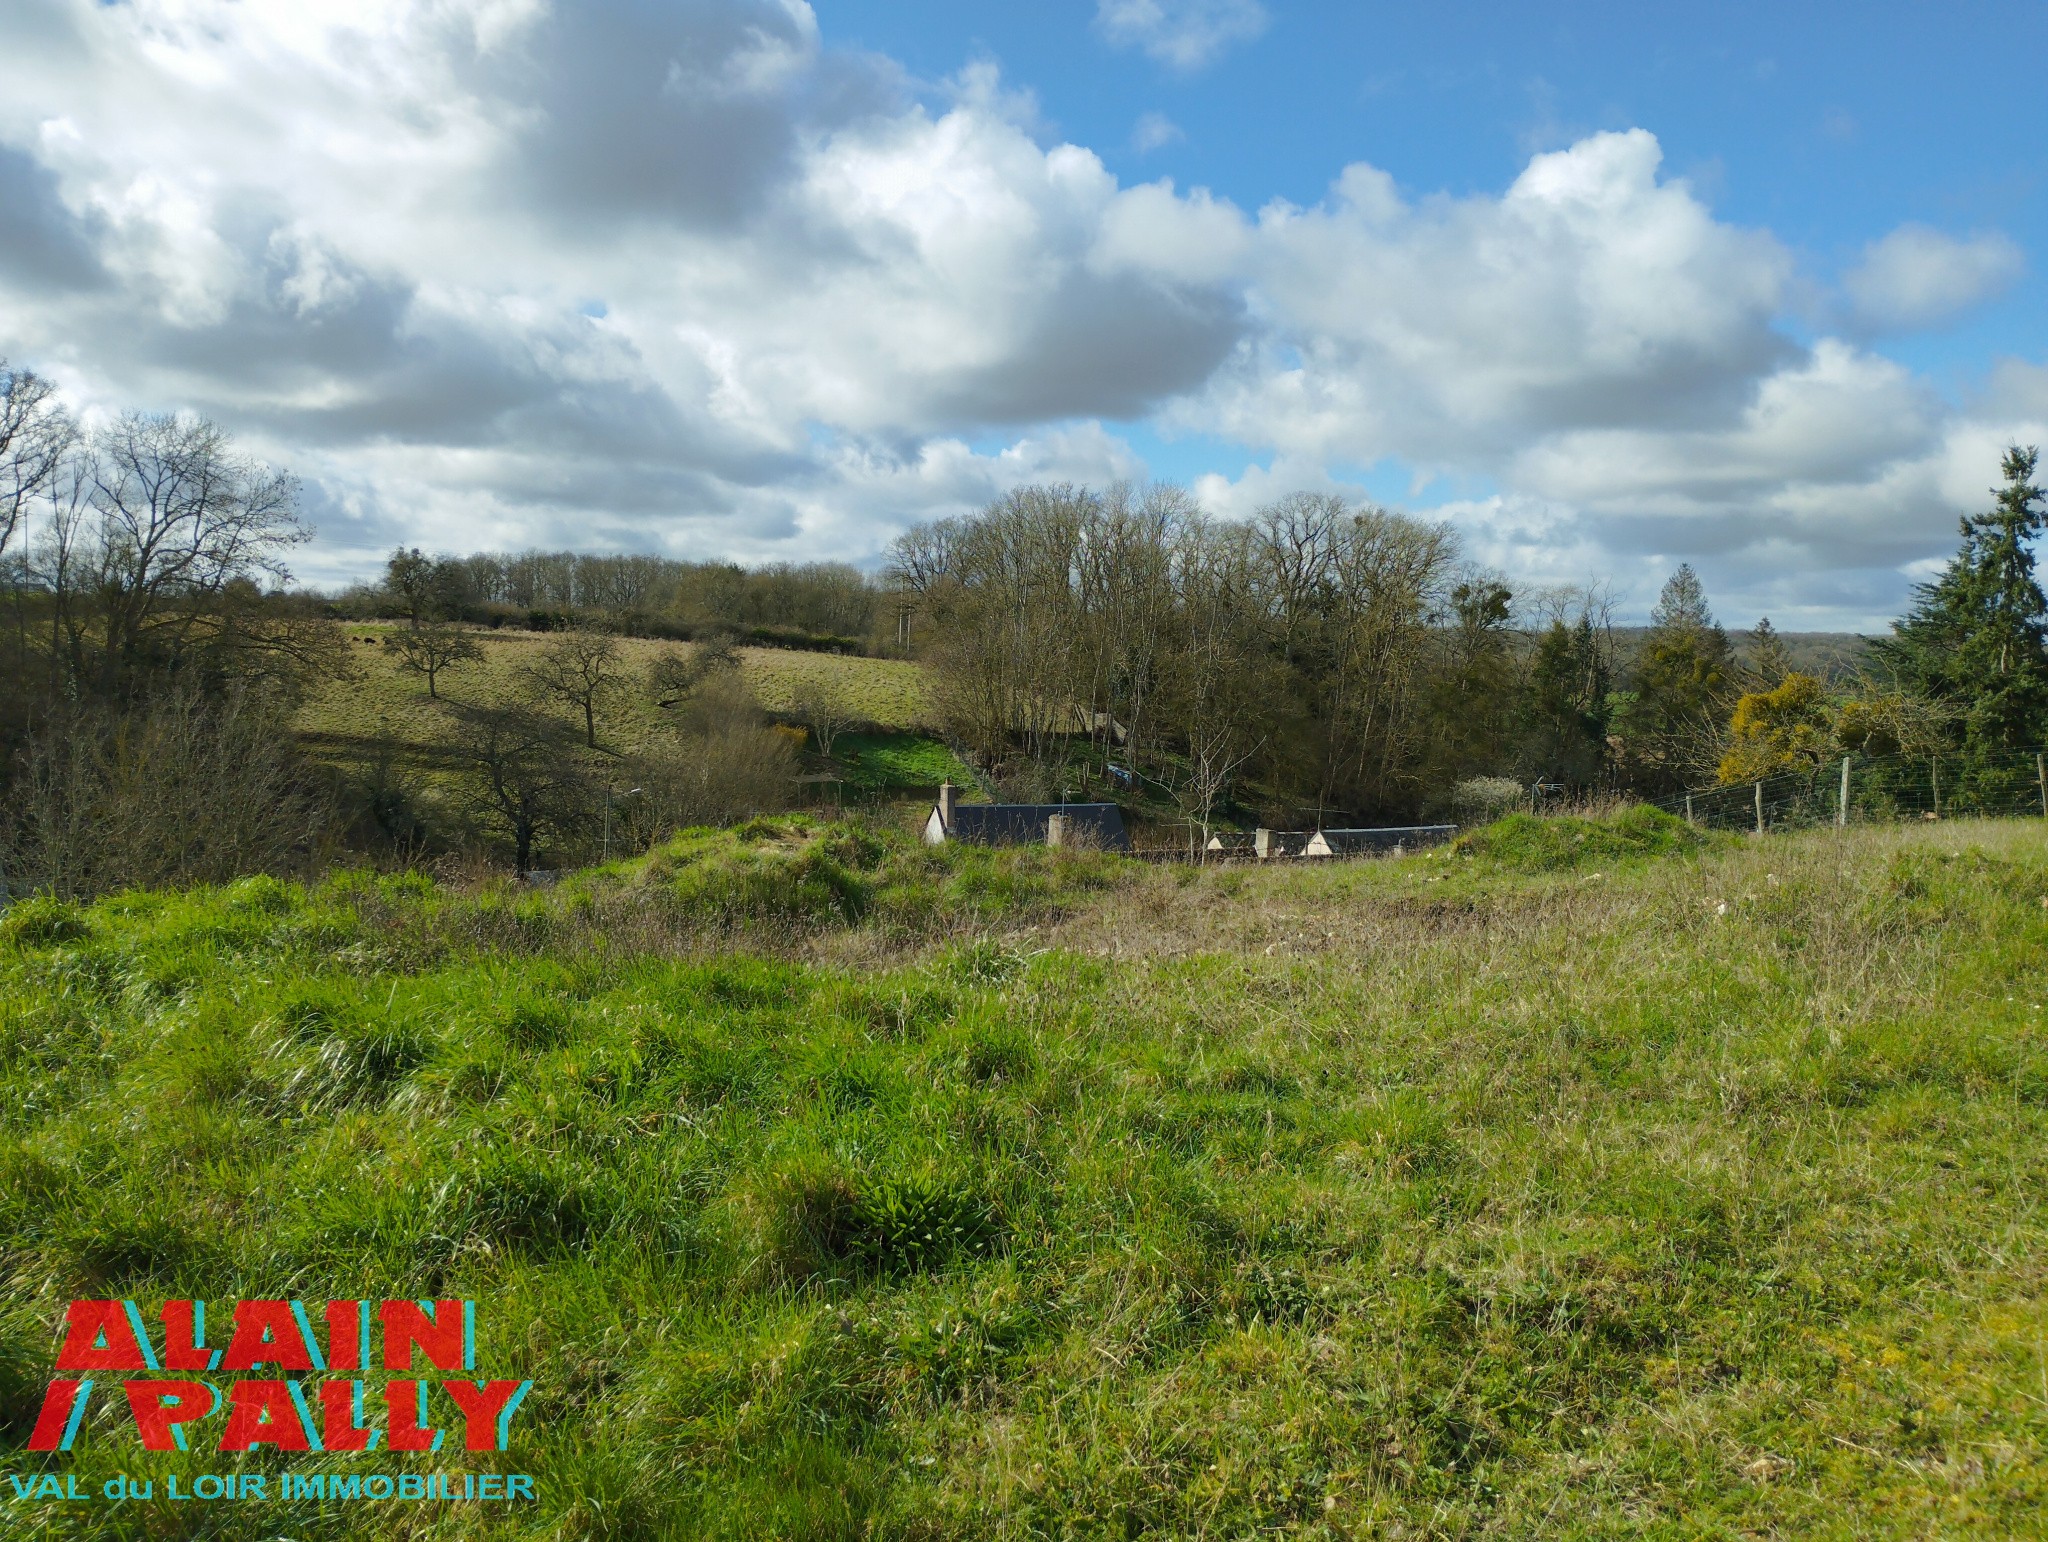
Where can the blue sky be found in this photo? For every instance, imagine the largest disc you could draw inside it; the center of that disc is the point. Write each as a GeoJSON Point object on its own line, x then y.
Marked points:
{"type": "Point", "coordinates": [1826, 127]}
{"type": "Point", "coordinates": [1606, 286]}
{"type": "Point", "coordinates": [1831, 133]}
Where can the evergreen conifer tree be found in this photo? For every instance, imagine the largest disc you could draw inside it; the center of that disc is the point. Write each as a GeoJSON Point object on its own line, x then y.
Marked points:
{"type": "Point", "coordinates": [1565, 732]}
{"type": "Point", "coordinates": [1977, 636]}
{"type": "Point", "coordinates": [1770, 661]}
{"type": "Point", "coordinates": [1679, 689]}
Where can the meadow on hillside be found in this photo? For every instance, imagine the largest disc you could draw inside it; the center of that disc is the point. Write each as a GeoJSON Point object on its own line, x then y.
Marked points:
{"type": "Point", "coordinates": [385, 700]}
{"type": "Point", "coordinates": [831, 1186]}
{"type": "Point", "coordinates": [380, 728]}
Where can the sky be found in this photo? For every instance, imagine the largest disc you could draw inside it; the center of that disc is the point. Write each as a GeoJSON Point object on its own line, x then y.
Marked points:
{"type": "Point", "coordinates": [1605, 287]}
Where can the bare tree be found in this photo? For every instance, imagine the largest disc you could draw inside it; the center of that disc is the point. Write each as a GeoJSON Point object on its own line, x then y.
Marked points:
{"type": "Point", "coordinates": [674, 677]}
{"type": "Point", "coordinates": [524, 776]}
{"type": "Point", "coordinates": [427, 648]}
{"type": "Point", "coordinates": [36, 433]}
{"type": "Point", "coordinates": [1351, 597]}
{"type": "Point", "coordinates": [1221, 686]}
{"type": "Point", "coordinates": [820, 705]}
{"type": "Point", "coordinates": [722, 764]}
{"type": "Point", "coordinates": [583, 669]}
{"type": "Point", "coordinates": [173, 533]}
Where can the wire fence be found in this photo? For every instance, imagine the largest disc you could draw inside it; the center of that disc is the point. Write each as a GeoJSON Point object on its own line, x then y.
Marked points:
{"type": "Point", "coordinates": [1873, 789]}
{"type": "Point", "coordinates": [1861, 789]}
{"type": "Point", "coordinates": [1256, 847]}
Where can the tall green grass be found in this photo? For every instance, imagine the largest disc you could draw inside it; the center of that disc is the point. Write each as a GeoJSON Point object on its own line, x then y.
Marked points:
{"type": "Point", "coordinates": [830, 1186]}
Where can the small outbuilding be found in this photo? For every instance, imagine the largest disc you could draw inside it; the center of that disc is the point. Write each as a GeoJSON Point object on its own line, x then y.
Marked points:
{"type": "Point", "coordinates": [1096, 826]}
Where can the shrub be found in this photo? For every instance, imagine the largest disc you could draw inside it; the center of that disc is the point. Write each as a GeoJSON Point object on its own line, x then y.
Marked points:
{"type": "Point", "coordinates": [1481, 799]}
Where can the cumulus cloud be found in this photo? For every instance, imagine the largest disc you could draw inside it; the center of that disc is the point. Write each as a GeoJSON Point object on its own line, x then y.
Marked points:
{"type": "Point", "coordinates": [687, 278]}
{"type": "Point", "coordinates": [597, 268]}
{"type": "Point", "coordinates": [1597, 343]}
{"type": "Point", "coordinates": [1919, 277]}
{"type": "Point", "coordinates": [1591, 292]}
{"type": "Point", "coordinates": [1183, 35]}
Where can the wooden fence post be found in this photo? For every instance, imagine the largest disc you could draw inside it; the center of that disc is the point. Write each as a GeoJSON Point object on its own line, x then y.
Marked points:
{"type": "Point", "coordinates": [1934, 770]}
{"type": "Point", "coordinates": [1689, 818]}
{"type": "Point", "coordinates": [2041, 776]}
{"type": "Point", "coordinates": [1842, 805]}
{"type": "Point", "coordinates": [1759, 808]}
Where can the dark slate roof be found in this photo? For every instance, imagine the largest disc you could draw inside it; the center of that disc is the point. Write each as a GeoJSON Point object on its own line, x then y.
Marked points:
{"type": "Point", "coordinates": [1022, 824]}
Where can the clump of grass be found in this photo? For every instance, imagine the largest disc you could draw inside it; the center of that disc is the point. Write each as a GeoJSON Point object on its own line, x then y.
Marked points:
{"type": "Point", "coordinates": [1532, 843]}
{"type": "Point", "coordinates": [917, 1222]}
{"type": "Point", "coordinates": [805, 885]}
{"type": "Point", "coordinates": [536, 1023]}
{"type": "Point", "coordinates": [41, 922]}
{"type": "Point", "coordinates": [828, 1224]}
{"type": "Point", "coordinates": [261, 895]}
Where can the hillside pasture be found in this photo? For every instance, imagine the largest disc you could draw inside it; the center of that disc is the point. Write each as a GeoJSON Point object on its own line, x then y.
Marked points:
{"type": "Point", "coordinates": [384, 714]}
{"type": "Point", "coordinates": [889, 693]}
{"type": "Point", "coordinates": [830, 1186]}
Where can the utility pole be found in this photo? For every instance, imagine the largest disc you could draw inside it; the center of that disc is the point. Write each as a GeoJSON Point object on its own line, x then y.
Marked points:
{"type": "Point", "coordinates": [629, 792]}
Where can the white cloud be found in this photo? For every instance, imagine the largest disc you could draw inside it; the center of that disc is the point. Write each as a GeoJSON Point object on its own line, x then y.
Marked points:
{"type": "Point", "coordinates": [397, 293]}
{"type": "Point", "coordinates": [1919, 277]}
{"type": "Point", "coordinates": [504, 271]}
{"type": "Point", "coordinates": [1194, 239]}
{"type": "Point", "coordinates": [1181, 34]}
{"type": "Point", "coordinates": [1591, 292]}
{"type": "Point", "coordinates": [1829, 418]}
{"type": "Point", "coordinates": [1154, 131]}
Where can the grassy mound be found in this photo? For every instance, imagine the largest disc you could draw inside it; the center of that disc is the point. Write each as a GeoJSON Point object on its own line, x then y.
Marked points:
{"type": "Point", "coordinates": [1682, 1203]}
{"type": "Point", "coordinates": [1527, 843]}
{"type": "Point", "coordinates": [802, 874]}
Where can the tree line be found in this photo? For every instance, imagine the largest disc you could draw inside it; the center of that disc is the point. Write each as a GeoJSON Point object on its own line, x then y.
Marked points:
{"type": "Point", "coordinates": [826, 605]}
{"type": "Point", "coordinates": [154, 657]}
{"type": "Point", "coordinates": [1322, 661]}
{"type": "Point", "coordinates": [1325, 662]}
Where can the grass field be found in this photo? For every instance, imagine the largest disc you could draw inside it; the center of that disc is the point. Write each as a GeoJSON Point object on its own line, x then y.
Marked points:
{"type": "Point", "coordinates": [828, 1186]}
{"type": "Point", "coordinates": [348, 720]}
